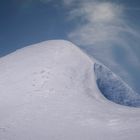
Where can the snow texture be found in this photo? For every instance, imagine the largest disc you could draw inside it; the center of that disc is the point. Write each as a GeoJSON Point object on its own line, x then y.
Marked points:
{"type": "Point", "coordinates": [114, 89]}
{"type": "Point", "coordinates": [48, 91]}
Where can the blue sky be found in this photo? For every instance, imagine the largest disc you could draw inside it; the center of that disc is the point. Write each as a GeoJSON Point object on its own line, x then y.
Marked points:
{"type": "Point", "coordinates": [106, 29]}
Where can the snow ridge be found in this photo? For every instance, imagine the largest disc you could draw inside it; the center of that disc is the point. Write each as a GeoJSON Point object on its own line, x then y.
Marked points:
{"type": "Point", "coordinates": [49, 92]}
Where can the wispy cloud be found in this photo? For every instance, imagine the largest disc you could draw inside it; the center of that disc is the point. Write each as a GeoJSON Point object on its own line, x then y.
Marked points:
{"type": "Point", "coordinates": [102, 21]}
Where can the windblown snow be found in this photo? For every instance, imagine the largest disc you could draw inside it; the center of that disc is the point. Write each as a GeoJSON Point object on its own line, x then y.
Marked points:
{"type": "Point", "coordinates": [49, 92]}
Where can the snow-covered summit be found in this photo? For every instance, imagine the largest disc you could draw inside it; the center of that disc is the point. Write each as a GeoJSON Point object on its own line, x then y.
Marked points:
{"type": "Point", "coordinates": [49, 92]}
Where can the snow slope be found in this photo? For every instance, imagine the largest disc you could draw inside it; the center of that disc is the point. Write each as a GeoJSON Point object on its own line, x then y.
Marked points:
{"type": "Point", "coordinates": [49, 92]}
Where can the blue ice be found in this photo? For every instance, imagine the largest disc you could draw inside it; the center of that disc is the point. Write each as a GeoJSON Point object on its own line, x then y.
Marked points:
{"type": "Point", "coordinates": [114, 89]}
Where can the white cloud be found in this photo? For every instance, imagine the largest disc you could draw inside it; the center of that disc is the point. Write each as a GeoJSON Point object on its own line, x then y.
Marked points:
{"type": "Point", "coordinates": [102, 22]}
{"type": "Point", "coordinates": [101, 12]}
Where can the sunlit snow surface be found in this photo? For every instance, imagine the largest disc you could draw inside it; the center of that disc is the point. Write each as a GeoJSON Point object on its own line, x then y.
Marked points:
{"type": "Point", "coordinates": [49, 92]}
